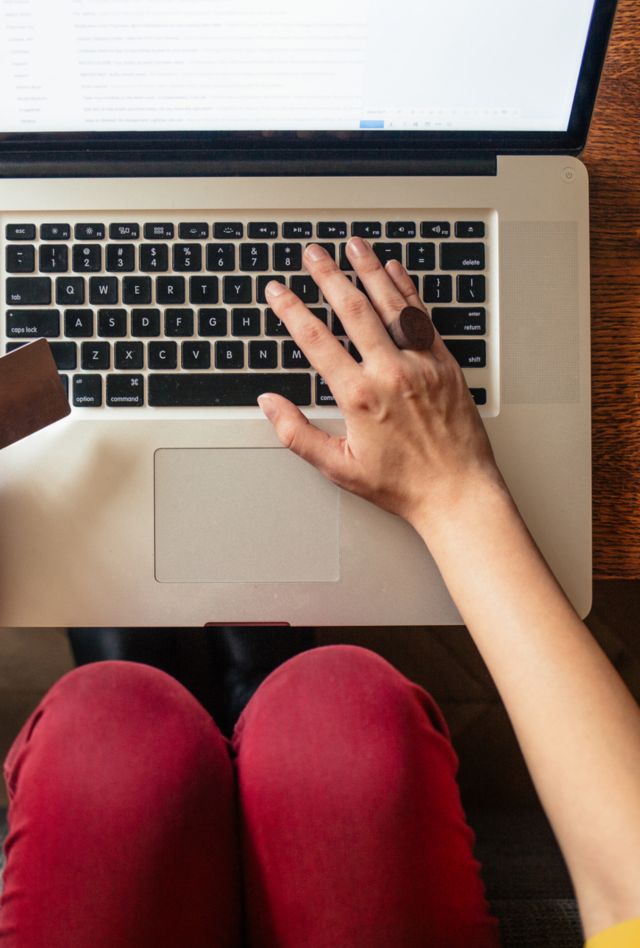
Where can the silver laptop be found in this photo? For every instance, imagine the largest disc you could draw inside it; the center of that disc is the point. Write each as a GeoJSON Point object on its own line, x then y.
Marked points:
{"type": "Point", "coordinates": [160, 163]}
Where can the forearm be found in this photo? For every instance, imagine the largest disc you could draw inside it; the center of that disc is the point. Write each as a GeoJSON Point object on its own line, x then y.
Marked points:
{"type": "Point", "coordinates": [578, 726]}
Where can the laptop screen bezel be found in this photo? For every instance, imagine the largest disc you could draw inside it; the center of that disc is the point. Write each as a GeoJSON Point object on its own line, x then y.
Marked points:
{"type": "Point", "coordinates": [348, 144]}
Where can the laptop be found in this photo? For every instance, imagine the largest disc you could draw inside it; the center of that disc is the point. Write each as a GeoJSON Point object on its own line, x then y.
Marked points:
{"type": "Point", "coordinates": [159, 164]}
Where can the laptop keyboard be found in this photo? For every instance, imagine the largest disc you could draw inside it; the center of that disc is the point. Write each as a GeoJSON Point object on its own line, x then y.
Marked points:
{"type": "Point", "coordinates": [173, 313]}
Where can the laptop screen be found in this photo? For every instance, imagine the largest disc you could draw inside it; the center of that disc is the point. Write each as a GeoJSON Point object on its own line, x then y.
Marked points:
{"type": "Point", "coordinates": [336, 65]}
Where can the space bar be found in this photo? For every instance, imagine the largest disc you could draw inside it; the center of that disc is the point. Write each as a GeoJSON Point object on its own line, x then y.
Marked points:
{"type": "Point", "coordinates": [226, 389]}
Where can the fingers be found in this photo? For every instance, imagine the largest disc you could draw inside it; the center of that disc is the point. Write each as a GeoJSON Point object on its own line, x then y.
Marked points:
{"type": "Point", "coordinates": [296, 432]}
{"type": "Point", "coordinates": [405, 285]}
{"type": "Point", "coordinates": [358, 316]}
{"type": "Point", "coordinates": [381, 289]}
{"type": "Point", "coordinates": [319, 345]}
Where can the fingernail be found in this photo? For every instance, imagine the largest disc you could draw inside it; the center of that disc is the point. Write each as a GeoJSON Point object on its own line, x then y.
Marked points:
{"type": "Point", "coordinates": [267, 405]}
{"type": "Point", "coordinates": [357, 246]}
{"type": "Point", "coordinates": [314, 252]}
{"type": "Point", "coordinates": [274, 288]}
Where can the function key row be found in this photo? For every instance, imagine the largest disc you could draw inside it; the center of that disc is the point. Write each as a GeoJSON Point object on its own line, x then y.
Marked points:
{"type": "Point", "coordinates": [235, 230]}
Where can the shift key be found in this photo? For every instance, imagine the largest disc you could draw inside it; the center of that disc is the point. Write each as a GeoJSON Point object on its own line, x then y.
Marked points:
{"type": "Point", "coordinates": [33, 323]}
{"type": "Point", "coordinates": [28, 291]}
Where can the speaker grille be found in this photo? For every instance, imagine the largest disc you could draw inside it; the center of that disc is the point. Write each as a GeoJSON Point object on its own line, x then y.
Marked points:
{"type": "Point", "coordinates": [539, 312]}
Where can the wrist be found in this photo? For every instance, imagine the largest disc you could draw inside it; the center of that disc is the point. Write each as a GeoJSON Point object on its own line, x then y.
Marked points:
{"type": "Point", "coordinates": [463, 504]}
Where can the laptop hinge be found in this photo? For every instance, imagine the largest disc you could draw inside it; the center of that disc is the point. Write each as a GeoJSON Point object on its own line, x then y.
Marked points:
{"type": "Point", "coordinates": [181, 164]}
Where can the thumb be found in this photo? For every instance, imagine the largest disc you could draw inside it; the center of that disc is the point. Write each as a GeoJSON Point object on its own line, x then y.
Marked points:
{"type": "Point", "coordinates": [296, 432]}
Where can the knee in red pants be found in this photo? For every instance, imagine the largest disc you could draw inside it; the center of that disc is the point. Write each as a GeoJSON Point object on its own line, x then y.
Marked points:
{"type": "Point", "coordinates": [122, 818]}
{"type": "Point", "coordinates": [354, 833]}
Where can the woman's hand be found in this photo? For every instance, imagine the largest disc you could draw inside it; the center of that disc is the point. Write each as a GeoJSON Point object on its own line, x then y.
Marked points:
{"type": "Point", "coordinates": [414, 441]}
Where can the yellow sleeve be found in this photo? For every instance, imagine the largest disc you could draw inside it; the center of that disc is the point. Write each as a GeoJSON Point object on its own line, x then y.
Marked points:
{"type": "Point", "coordinates": [626, 935]}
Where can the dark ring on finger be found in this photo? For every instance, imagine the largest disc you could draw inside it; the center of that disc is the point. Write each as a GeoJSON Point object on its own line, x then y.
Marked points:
{"type": "Point", "coordinates": [412, 329]}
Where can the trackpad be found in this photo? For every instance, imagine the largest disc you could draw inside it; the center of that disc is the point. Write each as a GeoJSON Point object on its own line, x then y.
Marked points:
{"type": "Point", "coordinates": [260, 515]}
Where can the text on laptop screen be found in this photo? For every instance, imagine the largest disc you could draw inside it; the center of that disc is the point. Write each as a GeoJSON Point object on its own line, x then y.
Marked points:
{"type": "Point", "coordinates": [216, 65]}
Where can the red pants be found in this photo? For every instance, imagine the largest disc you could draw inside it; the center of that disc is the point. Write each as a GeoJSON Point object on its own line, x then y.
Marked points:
{"type": "Point", "coordinates": [332, 820]}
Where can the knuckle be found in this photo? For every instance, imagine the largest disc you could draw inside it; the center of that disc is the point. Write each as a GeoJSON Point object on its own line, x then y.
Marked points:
{"type": "Point", "coordinates": [311, 333]}
{"type": "Point", "coordinates": [402, 380]}
{"type": "Point", "coordinates": [360, 395]}
{"type": "Point", "coordinates": [354, 306]}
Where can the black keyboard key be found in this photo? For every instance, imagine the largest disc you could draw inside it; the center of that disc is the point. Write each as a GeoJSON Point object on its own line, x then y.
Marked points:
{"type": "Point", "coordinates": [245, 322]}
{"type": "Point", "coordinates": [28, 291]}
{"type": "Point", "coordinates": [212, 389]}
{"type": "Point", "coordinates": [178, 322]}
{"type": "Point", "coordinates": [437, 289]}
{"type": "Point", "coordinates": [479, 395]}
{"type": "Point", "coordinates": [459, 320]}
{"type": "Point", "coordinates": [136, 290]}
{"type": "Point", "coordinates": [86, 258]}
{"type": "Point", "coordinates": [221, 257]}
{"type": "Point", "coordinates": [163, 355]}
{"type": "Point", "coordinates": [421, 256]}
{"type": "Point", "coordinates": [261, 285]}
{"type": "Point", "coordinates": [400, 229]}
{"type": "Point", "coordinates": [343, 261]}
{"type": "Point", "coordinates": [53, 258]}
{"type": "Point", "coordinates": [287, 256]}
{"type": "Point", "coordinates": [228, 230]}
{"type": "Point", "coordinates": [263, 354]}
{"type": "Point", "coordinates": [354, 352]}
{"type": "Point", "coordinates": [154, 258]}
{"type": "Point", "coordinates": [124, 231]}
{"type": "Point", "coordinates": [254, 257]}
{"type": "Point", "coordinates": [438, 229]}
{"type": "Point", "coordinates": [129, 355]}
{"type": "Point", "coordinates": [125, 391]}
{"type": "Point", "coordinates": [274, 325]}
{"type": "Point", "coordinates": [203, 289]}
{"type": "Point", "coordinates": [120, 258]}
{"type": "Point", "coordinates": [70, 291]}
{"type": "Point", "coordinates": [158, 231]}
{"type": "Point", "coordinates": [55, 232]}
{"type": "Point", "coordinates": [65, 383]}
{"type": "Point", "coordinates": [170, 289]}
{"type": "Point", "coordinates": [112, 322]}
{"type": "Point", "coordinates": [103, 290]}
{"type": "Point", "coordinates": [145, 322]}
{"type": "Point", "coordinates": [193, 230]}
{"type": "Point", "coordinates": [336, 325]}
{"type": "Point", "coordinates": [469, 353]}
{"type": "Point", "coordinates": [237, 289]}
{"type": "Point", "coordinates": [466, 229]}
{"type": "Point", "coordinates": [320, 312]}
{"type": "Point", "coordinates": [305, 287]}
{"type": "Point", "coordinates": [65, 355]}
{"type": "Point", "coordinates": [196, 355]}
{"type": "Point", "coordinates": [387, 251]}
{"type": "Point", "coordinates": [333, 229]}
{"type": "Point", "coordinates": [89, 232]}
{"type": "Point", "coordinates": [296, 229]}
{"type": "Point", "coordinates": [20, 231]}
{"type": "Point", "coordinates": [292, 356]}
{"type": "Point", "coordinates": [324, 395]}
{"type": "Point", "coordinates": [212, 322]}
{"type": "Point", "coordinates": [20, 259]}
{"type": "Point", "coordinates": [95, 355]}
{"type": "Point", "coordinates": [87, 391]}
{"type": "Point", "coordinates": [262, 229]}
{"type": "Point", "coordinates": [366, 229]}
{"type": "Point", "coordinates": [78, 323]}
{"type": "Point", "coordinates": [229, 355]}
{"type": "Point", "coordinates": [462, 256]}
{"type": "Point", "coordinates": [33, 323]}
{"type": "Point", "coordinates": [471, 289]}
{"type": "Point", "coordinates": [187, 257]}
